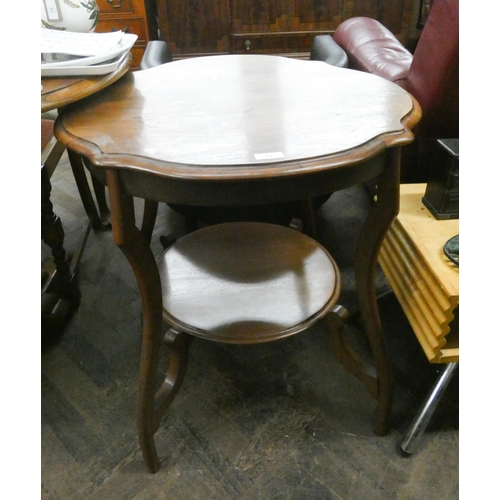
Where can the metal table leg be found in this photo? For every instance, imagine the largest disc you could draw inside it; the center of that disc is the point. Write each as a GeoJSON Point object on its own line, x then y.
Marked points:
{"type": "Point", "coordinates": [426, 411]}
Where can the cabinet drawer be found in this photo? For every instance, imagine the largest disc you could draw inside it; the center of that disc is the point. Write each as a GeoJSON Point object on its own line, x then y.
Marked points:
{"type": "Point", "coordinates": [132, 25]}
{"type": "Point", "coordinates": [275, 43]}
{"type": "Point", "coordinates": [116, 6]}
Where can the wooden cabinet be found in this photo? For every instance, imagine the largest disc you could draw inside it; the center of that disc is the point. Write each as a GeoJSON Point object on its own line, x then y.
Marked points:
{"type": "Point", "coordinates": [280, 27]}
{"type": "Point", "coordinates": [129, 16]}
{"type": "Point", "coordinates": [195, 27]}
{"type": "Point", "coordinates": [271, 26]}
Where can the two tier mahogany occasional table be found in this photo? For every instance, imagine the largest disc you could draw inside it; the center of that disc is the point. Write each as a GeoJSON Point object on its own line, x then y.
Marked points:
{"type": "Point", "coordinates": [249, 129]}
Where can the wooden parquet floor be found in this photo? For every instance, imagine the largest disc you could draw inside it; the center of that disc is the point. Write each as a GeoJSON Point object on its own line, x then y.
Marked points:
{"type": "Point", "coordinates": [274, 421]}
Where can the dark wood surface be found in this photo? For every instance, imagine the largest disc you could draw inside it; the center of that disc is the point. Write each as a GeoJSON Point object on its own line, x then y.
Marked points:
{"type": "Point", "coordinates": [192, 132]}
{"type": "Point", "coordinates": [60, 293]}
{"type": "Point", "coordinates": [271, 421]}
{"type": "Point", "coordinates": [220, 112]}
{"type": "Point", "coordinates": [240, 283]}
{"type": "Point", "coordinates": [274, 282]}
{"type": "Point", "coordinates": [59, 92]}
{"type": "Point", "coordinates": [270, 27]}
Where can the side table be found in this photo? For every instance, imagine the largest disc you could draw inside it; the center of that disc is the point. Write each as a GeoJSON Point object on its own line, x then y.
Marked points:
{"type": "Point", "coordinates": [242, 130]}
{"type": "Point", "coordinates": [426, 284]}
{"type": "Point", "coordinates": [56, 93]}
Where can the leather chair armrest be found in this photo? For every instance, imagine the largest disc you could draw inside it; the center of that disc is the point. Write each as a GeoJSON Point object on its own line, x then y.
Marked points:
{"type": "Point", "coordinates": [157, 52]}
{"type": "Point", "coordinates": [372, 48]}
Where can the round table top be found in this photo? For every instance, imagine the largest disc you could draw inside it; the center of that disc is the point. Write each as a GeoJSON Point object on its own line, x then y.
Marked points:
{"type": "Point", "coordinates": [226, 115]}
{"type": "Point", "coordinates": [61, 91]}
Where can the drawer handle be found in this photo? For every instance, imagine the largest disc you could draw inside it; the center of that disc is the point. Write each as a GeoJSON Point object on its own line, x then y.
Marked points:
{"type": "Point", "coordinates": [116, 5]}
{"type": "Point", "coordinates": [126, 29]}
{"type": "Point", "coordinates": [248, 45]}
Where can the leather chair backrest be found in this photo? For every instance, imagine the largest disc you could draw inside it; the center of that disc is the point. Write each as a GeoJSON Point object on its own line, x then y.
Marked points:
{"type": "Point", "coordinates": [372, 48]}
{"type": "Point", "coordinates": [433, 78]}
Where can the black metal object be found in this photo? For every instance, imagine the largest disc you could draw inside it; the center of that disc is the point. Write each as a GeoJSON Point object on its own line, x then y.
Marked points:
{"type": "Point", "coordinates": [442, 193]}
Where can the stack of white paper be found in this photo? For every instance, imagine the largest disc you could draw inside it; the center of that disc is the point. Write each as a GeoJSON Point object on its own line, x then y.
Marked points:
{"type": "Point", "coordinates": [65, 53]}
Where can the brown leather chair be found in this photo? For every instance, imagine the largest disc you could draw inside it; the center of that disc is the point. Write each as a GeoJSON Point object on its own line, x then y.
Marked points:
{"type": "Point", "coordinates": [430, 74]}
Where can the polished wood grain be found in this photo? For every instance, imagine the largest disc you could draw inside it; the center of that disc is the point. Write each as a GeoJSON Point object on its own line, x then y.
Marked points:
{"type": "Point", "coordinates": [269, 27]}
{"type": "Point", "coordinates": [273, 420]}
{"type": "Point", "coordinates": [219, 112]}
{"type": "Point", "coordinates": [259, 16]}
{"type": "Point", "coordinates": [273, 282]}
{"type": "Point", "coordinates": [60, 290]}
{"type": "Point", "coordinates": [424, 280]}
{"type": "Point", "coordinates": [59, 92]}
{"type": "Point", "coordinates": [240, 283]}
{"type": "Point", "coordinates": [237, 130]}
{"type": "Point", "coordinates": [194, 28]}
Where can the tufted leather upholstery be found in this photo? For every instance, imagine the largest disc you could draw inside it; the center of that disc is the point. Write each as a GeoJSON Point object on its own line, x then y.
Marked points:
{"type": "Point", "coordinates": [372, 48]}
{"type": "Point", "coordinates": [430, 74]}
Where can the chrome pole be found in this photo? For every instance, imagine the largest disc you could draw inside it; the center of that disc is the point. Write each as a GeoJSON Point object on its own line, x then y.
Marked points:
{"type": "Point", "coordinates": [427, 409]}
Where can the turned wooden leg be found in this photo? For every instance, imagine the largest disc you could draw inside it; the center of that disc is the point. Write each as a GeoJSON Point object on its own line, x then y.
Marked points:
{"type": "Point", "coordinates": [53, 235]}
